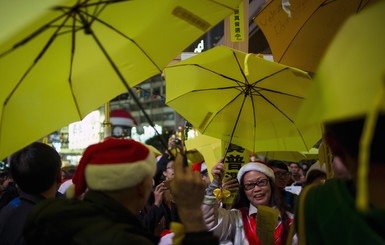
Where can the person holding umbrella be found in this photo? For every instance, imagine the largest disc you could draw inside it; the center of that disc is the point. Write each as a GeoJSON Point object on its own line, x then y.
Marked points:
{"type": "Point", "coordinates": [240, 224]}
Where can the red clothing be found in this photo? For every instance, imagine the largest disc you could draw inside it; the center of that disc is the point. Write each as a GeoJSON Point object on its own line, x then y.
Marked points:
{"type": "Point", "coordinates": [250, 227]}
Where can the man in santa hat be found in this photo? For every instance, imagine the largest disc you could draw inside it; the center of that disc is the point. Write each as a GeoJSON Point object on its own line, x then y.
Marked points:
{"type": "Point", "coordinates": [118, 175]}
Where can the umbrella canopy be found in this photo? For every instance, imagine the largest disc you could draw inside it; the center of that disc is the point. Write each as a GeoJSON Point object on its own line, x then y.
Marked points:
{"type": "Point", "coordinates": [209, 147]}
{"type": "Point", "coordinates": [351, 74]}
{"type": "Point", "coordinates": [81, 54]}
{"type": "Point", "coordinates": [290, 156]}
{"type": "Point", "coordinates": [301, 40]}
{"type": "Point", "coordinates": [242, 99]}
{"type": "Point", "coordinates": [311, 154]}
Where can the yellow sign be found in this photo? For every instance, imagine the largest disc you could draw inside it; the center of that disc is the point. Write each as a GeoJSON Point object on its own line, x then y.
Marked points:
{"type": "Point", "coordinates": [236, 157]}
{"type": "Point", "coordinates": [237, 30]}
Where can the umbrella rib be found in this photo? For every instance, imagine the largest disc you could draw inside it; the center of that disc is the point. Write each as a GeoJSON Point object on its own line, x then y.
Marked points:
{"type": "Point", "coordinates": [270, 75]}
{"type": "Point", "coordinates": [254, 122]}
{"type": "Point", "coordinates": [240, 68]}
{"type": "Point", "coordinates": [40, 54]}
{"type": "Point", "coordinates": [128, 88]}
{"type": "Point", "coordinates": [296, 34]}
{"type": "Point", "coordinates": [299, 132]}
{"type": "Point", "coordinates": [235, 125]}
{"type": "Point", "coordinates": [94, 18]}
{"type": "Point", "coordinates": [72, 56]}
{"type": "Point", "coordinates": [240, 84]}
{"type": "Point", "coordinates": [31, 36]}
{"type": "Point", "coordinates": [258, 89]}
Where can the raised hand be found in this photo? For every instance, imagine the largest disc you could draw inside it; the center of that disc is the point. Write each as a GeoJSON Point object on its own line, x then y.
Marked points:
{"type": "Point", "coordinates": [188, 192]}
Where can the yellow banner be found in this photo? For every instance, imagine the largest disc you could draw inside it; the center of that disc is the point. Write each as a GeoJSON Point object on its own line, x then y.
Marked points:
{"type": "Point", "coordinates": [237, 30]}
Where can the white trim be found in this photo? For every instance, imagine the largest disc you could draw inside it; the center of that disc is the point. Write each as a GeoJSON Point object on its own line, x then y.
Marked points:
{"type": "Point", "coordinates": [256, 166]}
{"type": "Point", "coordinates": [122, 121]}
{"type": "Point", "coordinates": [117, 176]}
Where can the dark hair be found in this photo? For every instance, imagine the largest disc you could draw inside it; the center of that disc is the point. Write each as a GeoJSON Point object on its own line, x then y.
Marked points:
{"type": "Point", "coordinates": [35, 168]}
{"type": "Point", "coordinates": [276, 200]}
{"type": "Point", "coordinates": [161, 166]}
{"type": "Point", "coordinates": [313, 175]}
{"type": "Point", "coordinates": [348, 134]}
{"type": "Point", "coordinates": [278, 164]}
{"type": "Point", "coordinates": [296, 163]}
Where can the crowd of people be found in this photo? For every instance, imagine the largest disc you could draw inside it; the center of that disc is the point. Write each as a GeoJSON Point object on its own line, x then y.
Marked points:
{"type": "Point", "coordinates": [121, 193]}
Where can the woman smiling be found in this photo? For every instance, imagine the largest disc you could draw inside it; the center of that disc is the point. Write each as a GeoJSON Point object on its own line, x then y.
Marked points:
{"type": "Point", "coordinates": [239, 225]}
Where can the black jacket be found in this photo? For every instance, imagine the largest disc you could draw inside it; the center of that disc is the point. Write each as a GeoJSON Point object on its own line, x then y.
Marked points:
{"type": "Point", "coordinates": [97, 219]}
{"type": "Point", "coordinates": [13, 217]}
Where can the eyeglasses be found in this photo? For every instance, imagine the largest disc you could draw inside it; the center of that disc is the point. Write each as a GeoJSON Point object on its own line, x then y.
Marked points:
{"type": "Point", "coordinates": [260, 183]}
{"type": "Point", "coordinates": [281, 174]}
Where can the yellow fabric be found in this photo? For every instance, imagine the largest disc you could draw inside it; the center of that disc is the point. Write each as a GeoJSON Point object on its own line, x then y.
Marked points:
{"type": "Point", "coordinates": [326, 158]}
{"type": "Point", "coordinates": [301, 217]}
{"type": "Point", "coordinates": [209, 90]}
{"type": "Point", "coordinates": [349, 82]}
{"type": "Point", "coordinates": [311, 154]}
{"type": "Point", "coordinates": [362, 202]}
{"type": "Point", "coordinates": [291, 156]}
{"type": "Point", "coordinates": [39, 98]}
{"type": "Point", "coordinates": [209, 147]}
{"type": "Point", "coordinates": [221, 194]}
{"type": "Point", "coordinates": [179, 233]}
{"type": "Point", "coordinates": [266, 223]}
{"type": "Point", "coordinates": [351, 72]}
{"type": "Point", "coordinates": [301, 40]}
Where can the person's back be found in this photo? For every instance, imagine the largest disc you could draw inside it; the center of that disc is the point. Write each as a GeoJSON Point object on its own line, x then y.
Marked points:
{"type": "Point", "coordinates": [330, 217]}
{"type": "Point", "coordinates": [36, 171]}
{"type": "Point", "coordinates": [118, 175]}
{"type": "Point", "coordinates": [97, 219]}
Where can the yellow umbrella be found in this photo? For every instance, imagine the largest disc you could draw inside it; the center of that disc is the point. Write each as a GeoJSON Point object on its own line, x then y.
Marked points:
{"type": "Point", "coordinates": [301, 39]}
{"type": "Point", "coordinates": [350, 82]}
{"type": "Point", "coordinates": [242, 99]}
{"type": "Point", "coordinates": [290, 156]}
{"type": "Point", "coordinates": [209, 147]}
{"type": "Point", "coordinates": [82, 53]}
{"type": "Point", "coordinates": [311, 154]}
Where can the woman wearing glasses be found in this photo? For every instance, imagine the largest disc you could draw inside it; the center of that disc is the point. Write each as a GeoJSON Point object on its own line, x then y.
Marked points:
{"type": "Point", "coordinates": [239, 225]}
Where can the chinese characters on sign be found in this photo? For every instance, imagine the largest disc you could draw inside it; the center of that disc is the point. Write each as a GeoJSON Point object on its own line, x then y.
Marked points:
{"type": "Point", "coordinates": [235, 159]}
{"type": "Point", "coordinates": [237, 30]}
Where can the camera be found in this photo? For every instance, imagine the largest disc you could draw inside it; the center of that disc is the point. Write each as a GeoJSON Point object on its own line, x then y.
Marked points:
{"type": "Point", "coordinates": [178, 141]}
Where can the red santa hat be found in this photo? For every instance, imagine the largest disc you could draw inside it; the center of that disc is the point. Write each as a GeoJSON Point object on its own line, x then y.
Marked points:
{"type": "Point", "coordinates": [122, 117]}
{"type": "Point", "coordinates": [114, 164]}
{"type": "Point", "coordinates": [199, 167]}
{"type": "Point", "coordinates": [256, 166]}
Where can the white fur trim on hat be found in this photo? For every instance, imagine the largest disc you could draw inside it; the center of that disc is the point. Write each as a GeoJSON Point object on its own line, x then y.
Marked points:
{"type": "Point", "coordinates": [122, 121]}
{"type": "Point", "coordinates": [256, 166]}
{"type": "Point", "coordinates": [119, 176]}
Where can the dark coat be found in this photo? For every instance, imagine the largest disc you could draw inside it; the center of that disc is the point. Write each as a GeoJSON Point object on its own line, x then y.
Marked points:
{"type": "Point", "coordinates": [13, 217]}
{"type": "Point", "coordinates": [97, 219]}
